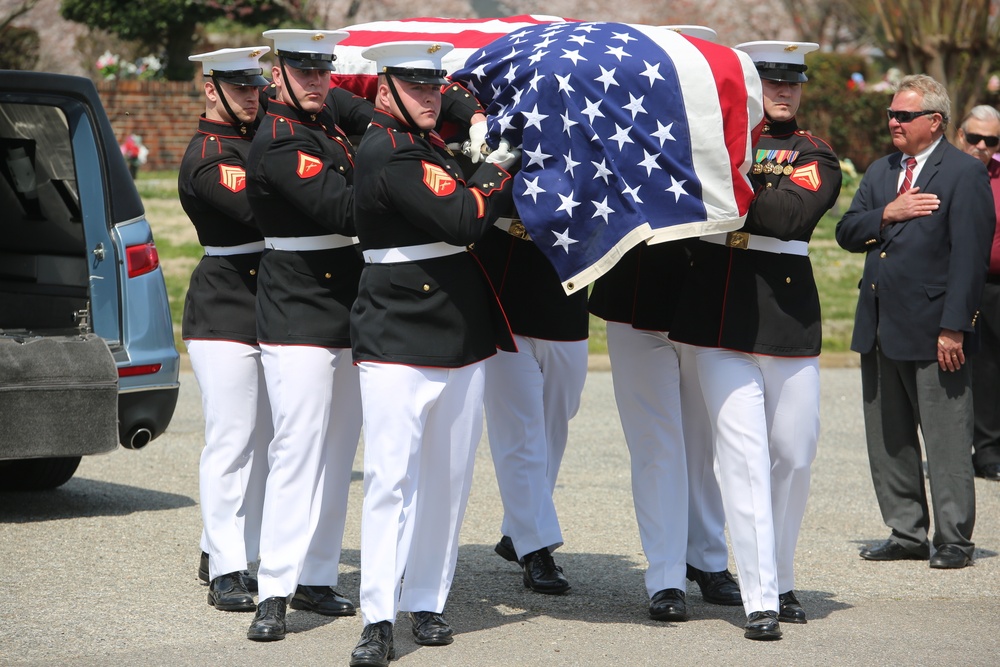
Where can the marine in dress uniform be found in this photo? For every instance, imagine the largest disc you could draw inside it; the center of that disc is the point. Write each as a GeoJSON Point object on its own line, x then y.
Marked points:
{"type": "Point", "coordinates": [219, 325]}
{"type": "Point", "coordinates": [751, 308]}
{"type": "Point", "coordinates": [667, 431]}
{"type": "Point", "coordinates": [425, 320]}
{"type": "Point", "coordinates": [673, 484]}
{"type": "Point", "coordinates": [530, 397]}
{"type": "Point", "coordinates": [300, 174]}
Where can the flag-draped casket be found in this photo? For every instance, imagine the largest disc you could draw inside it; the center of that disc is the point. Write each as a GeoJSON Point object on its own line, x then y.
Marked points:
{"type": "Point", "coordinates": [628, 133]}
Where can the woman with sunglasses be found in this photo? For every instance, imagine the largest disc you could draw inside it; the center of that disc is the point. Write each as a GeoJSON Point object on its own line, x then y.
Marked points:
{"type": "Point", "coordinates": [924, 218]}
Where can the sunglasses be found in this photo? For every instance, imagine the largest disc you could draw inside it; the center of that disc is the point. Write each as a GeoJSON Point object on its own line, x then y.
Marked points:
{"type": "Point", "coordinates": [906, 116]}
{"type": "Point", "coordinates": [974, 139]}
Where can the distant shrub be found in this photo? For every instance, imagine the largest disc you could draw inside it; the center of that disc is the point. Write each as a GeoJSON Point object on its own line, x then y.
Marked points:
{"type": "Point", "coordinates": [18, 48]}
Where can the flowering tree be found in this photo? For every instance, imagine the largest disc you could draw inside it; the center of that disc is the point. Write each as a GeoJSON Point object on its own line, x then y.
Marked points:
{"type": "Point", "coordinates": [172, 24]}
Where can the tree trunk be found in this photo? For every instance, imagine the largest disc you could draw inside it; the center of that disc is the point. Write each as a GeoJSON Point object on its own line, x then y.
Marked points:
{"type": "Point", "coordinates": [179, 45]}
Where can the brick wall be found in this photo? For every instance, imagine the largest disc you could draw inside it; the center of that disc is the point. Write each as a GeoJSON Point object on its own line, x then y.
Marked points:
{"type": "Point", "coordinates": [164, 113]}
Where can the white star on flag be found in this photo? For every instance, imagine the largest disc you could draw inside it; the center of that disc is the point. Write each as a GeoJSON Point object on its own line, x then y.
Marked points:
{"type": "Point", "coordinates": [563, 240]}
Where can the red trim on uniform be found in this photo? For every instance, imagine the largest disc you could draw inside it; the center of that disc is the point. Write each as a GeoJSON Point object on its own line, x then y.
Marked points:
{"type": "Point", "coordinates": [480, 203]}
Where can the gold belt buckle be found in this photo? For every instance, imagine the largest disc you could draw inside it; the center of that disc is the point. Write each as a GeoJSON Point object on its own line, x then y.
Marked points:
{"type": "Point", "coordinates": [517, 229]}
{"type": "Point", "coordinates": [739, 240]}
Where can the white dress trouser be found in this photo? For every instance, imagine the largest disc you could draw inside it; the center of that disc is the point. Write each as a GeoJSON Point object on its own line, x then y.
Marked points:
{"type": "Point", "coordinates": [765, 416]}
{"type": "Point", "coordinates": [422, 426]}
{"type": "Point", "coordinates": [530, 397]}
{"type": "Point", "coordinates": [677, 502]}
{"type": "Point", "coordinates": [316, 404]}
{"type": "Point", "coordinates": [233, 464]}
{"type": "Point", "coordinates": [706, 538]}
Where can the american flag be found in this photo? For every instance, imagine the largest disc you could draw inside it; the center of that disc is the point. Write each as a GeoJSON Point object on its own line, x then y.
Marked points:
{"type": "Point", "coordinates": [629, 133]}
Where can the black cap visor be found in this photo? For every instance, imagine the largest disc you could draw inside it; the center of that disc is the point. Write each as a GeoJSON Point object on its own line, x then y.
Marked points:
{"type": "Point", "coordinates": [419, 76]}
{"type": "Point", "coordinates": [299, 60]}
{"type": "Point", "coordinates": [240, 77]}
{"type": "Point", "coordinates": [785, 72]}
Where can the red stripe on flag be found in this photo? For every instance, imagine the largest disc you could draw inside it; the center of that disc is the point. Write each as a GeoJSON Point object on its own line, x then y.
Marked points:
{"type": "Point", "coordinates": [723, 62]}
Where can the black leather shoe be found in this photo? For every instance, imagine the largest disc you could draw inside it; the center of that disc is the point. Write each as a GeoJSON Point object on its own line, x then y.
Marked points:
{"type": "Point", "coordinates": [762, 625]}
{"type": "Point", "coordinates": [541, 574]}
{"type": "Point", "coordinates": [668, 605]}
{"type": "Point", "coordinates": [890, 550]}
{"type": "Point", "coordinates": [375, 648]}
{"type": "Point", "coordinates": [716, 587]}
{"type": "Point", "coordinates": [950, 557]}
{"type": "Point", "coordinates": [203, 567]}
{"type": "Point", "coordinates": [505, 548]}
{"type": "Point", "coordinates": [789, 609]}
{"type": "Point", "coordinates": [322, 600]}
{"type": "Point", "coordinates": [989, 471]}
{"type": "Point", "coordinates": [229, 593]}
{"type": "Point", "coordinates": [430, 629]}
{"type": "Point", "coordinates": [249, 580]}
{"type": "Point", "coordinates": [269, 623]}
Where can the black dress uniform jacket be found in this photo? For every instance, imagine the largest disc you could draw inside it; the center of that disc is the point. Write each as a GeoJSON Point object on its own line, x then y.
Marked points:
{"type": "Point", "coordinates": [438, 312]}
{"type": "Point", "coordinates": [530, 290]}
{"type": "Point", "coordinates": [763, 302]}
{"type": "Point", "coordinates": [221, 298]}
{"type": "Point", "coordinates": [300, 176]}
{"type": "Point", "coordinates": [643, 287]}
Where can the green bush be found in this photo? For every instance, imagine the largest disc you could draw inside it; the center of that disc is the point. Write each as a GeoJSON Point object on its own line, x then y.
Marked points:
{"type": "Point", "coordinates": [852, 121]}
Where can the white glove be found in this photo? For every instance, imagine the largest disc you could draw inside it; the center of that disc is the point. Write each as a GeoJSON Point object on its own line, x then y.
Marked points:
{"type": "Point", "coordinates": [477, 139]}
{"type": "Point", "coordinates": [504, 156]}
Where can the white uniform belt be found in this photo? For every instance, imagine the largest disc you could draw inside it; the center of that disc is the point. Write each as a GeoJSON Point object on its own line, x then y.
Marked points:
{"type": "Point", "coordinates": [298, 243]}
{"type": "Point", "coordinates": [411, 253]}
{"type": "Point", "coordinates": [513, 226]}
{"type": "Point", "coordinates": [745, 241]}
{"type": "Point", "coordinates": [241, 249]}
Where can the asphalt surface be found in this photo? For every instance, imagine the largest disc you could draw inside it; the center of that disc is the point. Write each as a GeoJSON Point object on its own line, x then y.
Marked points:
{"type": "Point", "coordinates": [103, 570]}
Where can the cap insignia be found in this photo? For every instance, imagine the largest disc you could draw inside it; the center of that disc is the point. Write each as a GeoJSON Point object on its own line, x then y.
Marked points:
{"type": "Point", "coordinates": [434, 49]}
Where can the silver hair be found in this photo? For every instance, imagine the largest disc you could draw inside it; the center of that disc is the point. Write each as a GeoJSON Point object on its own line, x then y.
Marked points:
{"type": "Point", "coordinates": [983, 112]}
{"type": "Point", "coordinates": [935, 95]}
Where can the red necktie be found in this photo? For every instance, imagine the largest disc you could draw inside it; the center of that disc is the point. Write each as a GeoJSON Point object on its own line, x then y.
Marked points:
{"type": "Point", "coordinates": [908, 176]}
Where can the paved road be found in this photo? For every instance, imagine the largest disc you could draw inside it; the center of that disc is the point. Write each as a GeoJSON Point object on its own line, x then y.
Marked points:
{"type": "Point", "coordinates": [102, 571]}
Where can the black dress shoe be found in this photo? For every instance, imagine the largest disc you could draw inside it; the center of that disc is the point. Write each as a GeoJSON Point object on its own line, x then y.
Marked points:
{"type": "Point", "coordinates": [989, 471]}
{"type": "Point", "coordinates": [789, 609]}
{"type": "Point", "coordinates": [322, 600]}
{"type": "Point", "coordinates": [430, 629]}
{"type": "Point", "coordinates": [716, 587]}
{"type": "Point", "coordinates": [950, 557]}
{"type": "Point", "coordinates": [890, 550]}
{"type": "Point", "coordinates": [505, 548]}
{"type": "Point", "coordinates": [269, 622]}
{"type": "Point", "coordinates": [249, 580]}
{"type": "Point", "coordinates": [229, 593]}
{"type": "Point", "coordinates": [541, 574]}
{"type": "Point", "coordinates": [762, 625]}
{"type": "Point", "coordinates": [375, 647]}
{"type": "Point", "coordinates": [203, 567]}
{"type": "Point", "coordinates": [668, 605]}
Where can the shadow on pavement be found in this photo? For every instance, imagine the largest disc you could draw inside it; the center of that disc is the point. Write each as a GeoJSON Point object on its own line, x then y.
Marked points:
{"type": "Point", "coordinates": [81, 497]}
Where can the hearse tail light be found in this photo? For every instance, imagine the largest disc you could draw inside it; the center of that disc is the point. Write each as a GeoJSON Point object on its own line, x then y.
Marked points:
{"type": "Point", "coordinates": [141, 259]}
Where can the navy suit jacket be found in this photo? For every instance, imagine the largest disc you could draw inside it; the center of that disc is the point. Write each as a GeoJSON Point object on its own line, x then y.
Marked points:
{"type": "Point", "coordinates": [924, 274]}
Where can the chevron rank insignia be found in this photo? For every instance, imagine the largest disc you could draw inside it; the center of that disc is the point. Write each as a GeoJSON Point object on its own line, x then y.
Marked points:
{"type": "Point", "coordinates": [807, 176]}
{"type": "Point", "coordinates": [438, 180]}
{"type": "Point", "coordinates": [232, 177]}
{"type": "Point", "coordinates": [309, 166]}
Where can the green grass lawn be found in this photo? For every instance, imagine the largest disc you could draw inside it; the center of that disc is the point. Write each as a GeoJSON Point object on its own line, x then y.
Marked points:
{"type": "Point", "coordinates": [837, 272]}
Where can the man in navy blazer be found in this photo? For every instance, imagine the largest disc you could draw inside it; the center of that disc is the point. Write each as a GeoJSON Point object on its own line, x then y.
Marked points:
{"type": "Point", "coordinates": [924, 218]}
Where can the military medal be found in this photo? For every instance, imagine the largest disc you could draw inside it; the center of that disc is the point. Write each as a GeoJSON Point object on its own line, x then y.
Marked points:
{"type": "Point", "coordinates": [787, 171]}
{"type": "Point", "coordinates": [757, 168]}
